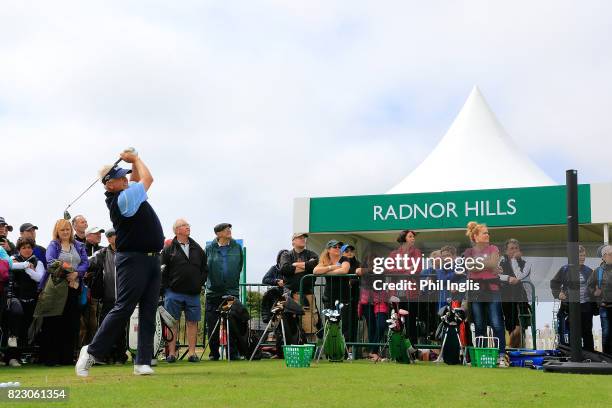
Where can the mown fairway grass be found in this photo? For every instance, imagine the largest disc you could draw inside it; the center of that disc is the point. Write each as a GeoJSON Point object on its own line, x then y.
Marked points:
{"type": "Point", "coordinates": [270, 384]}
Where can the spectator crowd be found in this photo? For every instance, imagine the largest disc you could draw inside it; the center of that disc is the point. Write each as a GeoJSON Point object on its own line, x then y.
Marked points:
{"type": "Point", "coordinates": [53, 299]}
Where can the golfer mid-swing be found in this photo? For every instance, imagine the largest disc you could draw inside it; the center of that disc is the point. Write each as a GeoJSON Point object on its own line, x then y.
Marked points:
{"type": "Point", "coordinates": [139, 240]}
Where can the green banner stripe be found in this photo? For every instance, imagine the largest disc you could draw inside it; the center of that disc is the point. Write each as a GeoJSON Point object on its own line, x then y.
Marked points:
{"type": "Point", "coordinates": [497, 208]}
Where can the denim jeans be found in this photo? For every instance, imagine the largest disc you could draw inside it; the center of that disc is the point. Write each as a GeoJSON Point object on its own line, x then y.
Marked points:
{"type": "Point", "coordinates": [495, 319]}
{"type": "Point", "coordinates": [377, 324]}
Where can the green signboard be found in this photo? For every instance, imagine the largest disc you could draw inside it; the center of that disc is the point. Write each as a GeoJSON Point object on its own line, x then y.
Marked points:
{"type": "Point", "coordinates": [446, 210]}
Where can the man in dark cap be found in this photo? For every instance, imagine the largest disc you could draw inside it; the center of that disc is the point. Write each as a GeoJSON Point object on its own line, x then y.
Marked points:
{"type": "Point", "coordinates": [139, 238]}
{"type": "Point", "coordinates": [8, 246]}
{"type": "Point", "coordinates": [294, 265]}
{"type": "Point", "coordinates": [298, 262]}
{"type": "Point", "coordinates": [28, 230]}
{"type": "Point", "coordinates": [224, 257]}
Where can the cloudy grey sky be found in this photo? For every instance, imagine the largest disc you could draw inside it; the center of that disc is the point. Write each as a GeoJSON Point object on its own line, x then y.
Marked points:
{"type": "Point", "coordinates": [240, 106]}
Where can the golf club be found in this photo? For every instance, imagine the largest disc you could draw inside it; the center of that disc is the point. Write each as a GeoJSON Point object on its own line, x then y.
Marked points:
{"type": "Point", "coordinates": [66, 213]}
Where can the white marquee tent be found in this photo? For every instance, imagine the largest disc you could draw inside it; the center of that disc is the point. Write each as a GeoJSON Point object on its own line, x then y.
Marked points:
{"type": "Point", "coordinates": [476, 153]}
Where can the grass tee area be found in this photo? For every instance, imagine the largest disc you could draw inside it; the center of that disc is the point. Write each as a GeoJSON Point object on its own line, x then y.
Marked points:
{"type": "Point", "coordinates": [269, 383]}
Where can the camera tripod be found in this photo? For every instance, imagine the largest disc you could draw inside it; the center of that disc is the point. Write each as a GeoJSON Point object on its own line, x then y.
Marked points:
{"type": "Point", "coordinates": [223, 325]}
{"type": "Point", "coordinates": [276, 319]}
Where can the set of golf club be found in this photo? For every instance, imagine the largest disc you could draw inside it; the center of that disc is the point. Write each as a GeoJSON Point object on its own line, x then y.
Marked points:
{"type": "Point", "coordinates": [333, 315]}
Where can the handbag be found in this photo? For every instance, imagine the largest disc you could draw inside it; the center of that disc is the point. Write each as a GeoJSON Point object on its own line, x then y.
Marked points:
{"type": "Point", "coordinates": [13, 306]}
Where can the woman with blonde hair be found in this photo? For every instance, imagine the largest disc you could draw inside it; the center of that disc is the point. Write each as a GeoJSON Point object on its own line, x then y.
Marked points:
{"type": "Point", "coordinates": [331, 263]}
{"type": "Point", "coordinates": [486, 302]}
{"type": "Point", "coordinates": [67, 263]}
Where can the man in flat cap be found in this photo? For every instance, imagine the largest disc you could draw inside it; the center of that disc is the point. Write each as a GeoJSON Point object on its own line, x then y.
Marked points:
{"type": "Point", "coordinates": [224, 257]}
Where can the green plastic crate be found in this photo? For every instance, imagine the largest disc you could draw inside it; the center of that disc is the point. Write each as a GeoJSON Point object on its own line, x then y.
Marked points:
{"type": "Point", "coordinates": [484, 356]}
{"type": "Point", "coordinates": [298, 356]}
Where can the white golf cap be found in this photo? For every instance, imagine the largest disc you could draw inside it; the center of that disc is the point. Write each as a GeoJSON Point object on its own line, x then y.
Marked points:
{"type": "Point", "coordinates": [94, 230]}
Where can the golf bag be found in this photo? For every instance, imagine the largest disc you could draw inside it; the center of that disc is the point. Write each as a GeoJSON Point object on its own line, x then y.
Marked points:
{"type": "Point", "coordinates": [334, 344]}
{"type": "Point", "coordinates": [400, 347]}
{"type": "Point", "coordinates": [238, 318]}
{"type": "Point", "coordinates": [448, 331]}
{"type": "Point", "coordinates": [163, 322]}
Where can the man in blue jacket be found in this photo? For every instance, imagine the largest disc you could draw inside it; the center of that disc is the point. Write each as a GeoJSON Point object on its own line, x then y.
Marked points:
{"type": "Point", "coordinates": [224, 257]}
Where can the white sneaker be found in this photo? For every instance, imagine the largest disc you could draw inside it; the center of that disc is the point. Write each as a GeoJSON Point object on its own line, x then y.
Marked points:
{"type": "Point", "coordinates": [14, 363]}
{"type": "Point", "coordinates": [143, 370]}
{"type": "Point", "coordinates": [84, 363]}
{"type": "Point", "coordinates": [502, 363]}
{"type": "Point", "coordinates": [12, 341]}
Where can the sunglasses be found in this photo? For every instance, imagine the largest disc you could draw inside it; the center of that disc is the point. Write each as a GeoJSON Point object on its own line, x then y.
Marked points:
{"type": "Point", "coordinates": [336, 246]}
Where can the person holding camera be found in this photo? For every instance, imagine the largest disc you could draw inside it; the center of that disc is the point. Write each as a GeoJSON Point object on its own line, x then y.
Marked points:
{"type": "Point", "coordinates": [5, 243]}
{"type": "Point", "coordinates": [224, 259]}
{"type": "Point", "coordinates": [28, 230]}
{"type": "Point", "coordinates": [183, 277]}
{"type": "Point", "coordinates": [274, 277]}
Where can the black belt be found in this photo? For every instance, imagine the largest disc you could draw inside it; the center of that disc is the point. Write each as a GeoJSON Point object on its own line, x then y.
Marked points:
{"type": "Point", "coordinates": [142, 253]}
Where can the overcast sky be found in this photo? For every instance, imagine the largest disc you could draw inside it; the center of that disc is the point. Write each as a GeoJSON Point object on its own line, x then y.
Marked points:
{"type": "Point", "coordinates": [238, 107]}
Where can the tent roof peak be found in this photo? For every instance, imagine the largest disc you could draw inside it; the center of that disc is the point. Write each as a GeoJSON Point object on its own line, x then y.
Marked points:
{"type": "Point", "coordinates": [475, 153]}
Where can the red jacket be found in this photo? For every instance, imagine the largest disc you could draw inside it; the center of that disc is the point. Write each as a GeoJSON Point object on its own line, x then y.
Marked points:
{"type": "Point", "coordinates": [4, 273]}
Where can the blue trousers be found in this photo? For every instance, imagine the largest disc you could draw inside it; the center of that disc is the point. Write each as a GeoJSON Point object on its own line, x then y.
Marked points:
{"type": "Point", "coordinates": [377, 325]}
{"type": "Point", "coordinates": [138, 280]}
{"type": "Point", "coordinates": [605, 316]}
{"type": "Point", "coordinates": [495, 319]}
